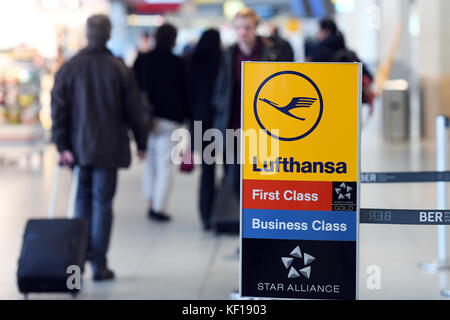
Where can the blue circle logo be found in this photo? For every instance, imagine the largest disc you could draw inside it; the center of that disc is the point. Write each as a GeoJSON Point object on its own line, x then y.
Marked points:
{"type": "Point", "coordinates": [288, 105]}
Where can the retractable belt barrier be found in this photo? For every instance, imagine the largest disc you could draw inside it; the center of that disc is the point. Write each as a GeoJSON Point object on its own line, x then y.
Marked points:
{"type": "Point", "coordinates": [439, 217]}
{"type": "Point", "coordinates": [405, 177]}
{"type": "Point", "coordinates": [404, 216]}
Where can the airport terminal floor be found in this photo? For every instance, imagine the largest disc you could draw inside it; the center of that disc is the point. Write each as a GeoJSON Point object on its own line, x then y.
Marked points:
{"type": "Point", "coordinates": [178, 260]}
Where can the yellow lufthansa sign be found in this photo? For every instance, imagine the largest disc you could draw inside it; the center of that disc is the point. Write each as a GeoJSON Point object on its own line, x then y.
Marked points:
{"type": "Point", "coordinates": [308, 114]}
{"type": "Point", "coordinates": [299, 186]}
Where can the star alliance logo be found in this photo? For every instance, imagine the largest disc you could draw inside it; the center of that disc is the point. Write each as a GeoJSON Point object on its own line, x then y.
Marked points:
{"type": "Point", "coordinates": [344, 191]}
{"type": "Point", "coordinates": [296, 255]}
{"type": "Point", "coordinates": [344, 196]}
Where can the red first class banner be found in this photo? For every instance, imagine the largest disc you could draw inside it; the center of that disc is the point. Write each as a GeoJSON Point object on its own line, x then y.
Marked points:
{"type": "Point", "coordinates": [287, 195]}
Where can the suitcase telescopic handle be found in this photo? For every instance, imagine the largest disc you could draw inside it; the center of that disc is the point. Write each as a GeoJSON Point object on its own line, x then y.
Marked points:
{"type": "Point", "coordinates": [73, 192]}
{"type": "Point", "coordinates": [55, 192]}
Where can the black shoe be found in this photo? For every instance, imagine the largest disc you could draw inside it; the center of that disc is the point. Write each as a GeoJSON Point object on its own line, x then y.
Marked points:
{"type": "Point", "coordinates": [104, 274]}
{"type": "Point", "coordinates": [158, 216]}
{"type": "Point", "coordinates": [206, 226]}
{"type": "Point", "coordinates": [89, 255]}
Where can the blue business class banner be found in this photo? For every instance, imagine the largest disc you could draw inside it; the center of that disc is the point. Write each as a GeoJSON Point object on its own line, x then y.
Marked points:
{"type": "Point", "coordinates": [299, 225]}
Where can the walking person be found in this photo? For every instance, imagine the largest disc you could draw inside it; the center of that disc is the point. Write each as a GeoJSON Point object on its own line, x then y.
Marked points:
{"type": "Point", "coordinates": [162, 78]}
{"type": "Point", "coordinates": [329, 41]}
{"type": "Point", "coordinates": [282, 43]}
{"type": "Point", "coordinates": [227, 92]}
{"type": "Point", "coordinates": [95, 101]}
{"type": "Point", "coordinates": [331, 47]}
{"type": "Point", "coordinates": [203, 68]}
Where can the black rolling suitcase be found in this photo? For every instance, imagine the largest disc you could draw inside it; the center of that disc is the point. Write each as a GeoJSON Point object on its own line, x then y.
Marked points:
{"type": "Point", "coordinates": [52, 249]}
{"type": "Point", "coordinates": [225, 217]}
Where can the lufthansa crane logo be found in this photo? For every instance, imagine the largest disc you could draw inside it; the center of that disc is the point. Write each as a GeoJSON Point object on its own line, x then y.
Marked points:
{"type": "Point", "coordinates": [294, 104]}
{"type": "Point", "coordinates": [288, 105]}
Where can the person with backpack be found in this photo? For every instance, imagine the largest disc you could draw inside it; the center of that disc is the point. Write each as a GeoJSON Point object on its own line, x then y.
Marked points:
{"type": "Point", "coordinates": [329, 40]}
{"type": "Point", "coordinates": [330, 46]}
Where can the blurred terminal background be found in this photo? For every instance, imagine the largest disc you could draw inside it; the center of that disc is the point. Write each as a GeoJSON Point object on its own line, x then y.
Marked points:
{"type": "Point", "coordinates": [404, 43]}
{"type": "Point", "coordinates": [397, 40]}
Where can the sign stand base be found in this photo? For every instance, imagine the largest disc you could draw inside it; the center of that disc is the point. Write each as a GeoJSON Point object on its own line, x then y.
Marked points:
{"type": "Point", "coordinates": [234, 295]}
{"type": "Point", "coordinates": [445, 292]}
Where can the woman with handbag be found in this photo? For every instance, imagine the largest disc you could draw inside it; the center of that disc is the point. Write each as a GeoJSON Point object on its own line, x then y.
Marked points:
{"type": "Point", "coordinates": [161, 76]}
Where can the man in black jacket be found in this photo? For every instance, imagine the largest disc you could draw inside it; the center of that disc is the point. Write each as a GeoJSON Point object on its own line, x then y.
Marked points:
{"type": "Point", "coordinates": [95, 101]}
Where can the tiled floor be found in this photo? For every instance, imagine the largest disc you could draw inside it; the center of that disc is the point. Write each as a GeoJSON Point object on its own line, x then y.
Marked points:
{"type": "Point", "coordinates": [179, 261]}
